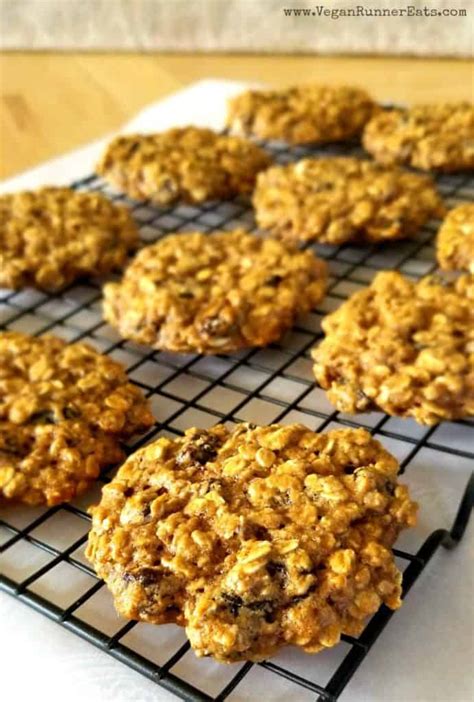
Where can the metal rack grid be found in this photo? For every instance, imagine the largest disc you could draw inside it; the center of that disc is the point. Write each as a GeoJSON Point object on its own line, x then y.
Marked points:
{"type": "Point", "coordinates": [262, 385]}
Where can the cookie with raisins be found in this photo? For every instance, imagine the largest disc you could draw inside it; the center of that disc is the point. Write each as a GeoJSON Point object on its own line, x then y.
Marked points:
{"type": "Point", "coordinates": [253, 538]}
{"type": "Point", "coordinates": [213, 293]}
{"type": "Point", "coordinates": [63, 412]}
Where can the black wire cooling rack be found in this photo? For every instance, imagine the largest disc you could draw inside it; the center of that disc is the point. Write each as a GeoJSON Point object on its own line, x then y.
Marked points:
{"type": "Point", "coordinates": [41, 549]}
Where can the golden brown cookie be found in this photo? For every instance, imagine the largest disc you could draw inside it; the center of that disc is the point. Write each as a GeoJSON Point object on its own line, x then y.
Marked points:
{"type": "Point", "coordinates": [437, 137]}
{"type": "Point", "coordinates": [402, 347]}
{"type": "Point", "coordinates": [301, 114]}
{"type": "Point", "coordinates": [213, 293]}
{"type": "Point", "coordinates": [335, 200]}
{"type": "Point", "coordinates": [254, 538]}
{"type": "Point", "coordinates": [455, 240]}
{"type": "Point", "coordinates": [192, 164]}
{"type": "Point", "coordinates": [52, 236]}
{"type": "Point", "coordinates": [63, 411]}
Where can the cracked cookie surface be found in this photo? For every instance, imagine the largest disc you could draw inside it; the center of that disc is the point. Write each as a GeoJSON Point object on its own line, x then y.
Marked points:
{"type": "Point", "coordinates": [52, 236]}
{"type": "Point", "coordinates": [253, 538]}
{"type": "Point", "coordinates": [403, 347]}
{"type": "Point", "coordinates": [63, 411]}
{"type": "Point", "coordinates": [191, 164]}
{"type": "Point", "coordinates": [335, 200]}
{"type": "Point", "coordinates": [301, 114]}
{"type": "Point", "coordinates": [213, 293]}
{"type": "Point", "coordinates": [455, 240]}
{"type": "Point", "coordinates": [437, 137]}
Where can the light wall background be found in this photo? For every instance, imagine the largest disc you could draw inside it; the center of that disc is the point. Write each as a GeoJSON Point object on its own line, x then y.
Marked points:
{"type": "Point", "coordinates": [235, 25]}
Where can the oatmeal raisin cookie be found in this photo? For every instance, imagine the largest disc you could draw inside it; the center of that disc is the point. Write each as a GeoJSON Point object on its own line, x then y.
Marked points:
{"type": "Point", "coordinates": [52, 236]}
{"type": "Point", "coordinates": [63, 411]}
{"type": "Point", "coordinates": [437, 137]}
{"type": "Point", "coordinates": [191, 164]}
{"type": "Point", "coordinates": [254, 537]}
{"type": "Point", "coordinates": [455, 241]}
{"type": "Point", "coordinates": [336, 200]}
{"type": "Point", "coordinates": [301, 114]}
{"type": "Point", "coordinates": [403, 347]}
{"type": "Point", "coordinates": [213, 293]}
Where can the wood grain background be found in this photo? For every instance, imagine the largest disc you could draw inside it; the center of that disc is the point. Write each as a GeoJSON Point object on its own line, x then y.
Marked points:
{"type": "Point", "coordinates": [52, 102]}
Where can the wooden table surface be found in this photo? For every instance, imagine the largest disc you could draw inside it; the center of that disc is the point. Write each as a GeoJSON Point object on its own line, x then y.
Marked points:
{"type": "Point", "coordinates": [54, 102]}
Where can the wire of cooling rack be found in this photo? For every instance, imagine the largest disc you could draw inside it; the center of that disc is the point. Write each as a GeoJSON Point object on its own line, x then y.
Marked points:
{"type": "Point", "coordinates": [269, 385]}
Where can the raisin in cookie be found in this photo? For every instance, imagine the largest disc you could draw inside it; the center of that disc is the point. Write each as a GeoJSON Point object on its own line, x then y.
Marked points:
{"type": "Point", "coordinates": [52, 236]}
{"type": "Point", "coordinates": [301, 114]}
{"type": "Point", "coordinates": [63, 411]}
{"type": "Point", "coordinates": [254, 538]}
{"type": "Point", "coordinates": [402, 347]}
{"type": "Point", "coordinates": [335, 200]}
{"type": "Point", "coordinates": [213, 293]}
{"type": "Point", "coordinates": [436, 137]}
{"type": "Point", "coordinates": [191, 164]}
{"type": "Point", "coordinates": [455, 241]}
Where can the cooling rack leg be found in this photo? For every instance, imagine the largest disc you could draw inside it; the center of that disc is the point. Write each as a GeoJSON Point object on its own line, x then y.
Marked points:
{"type": "Point", "coordinates": [448, 539]}
{"type": "Point", "coordinates": [462, 518]}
